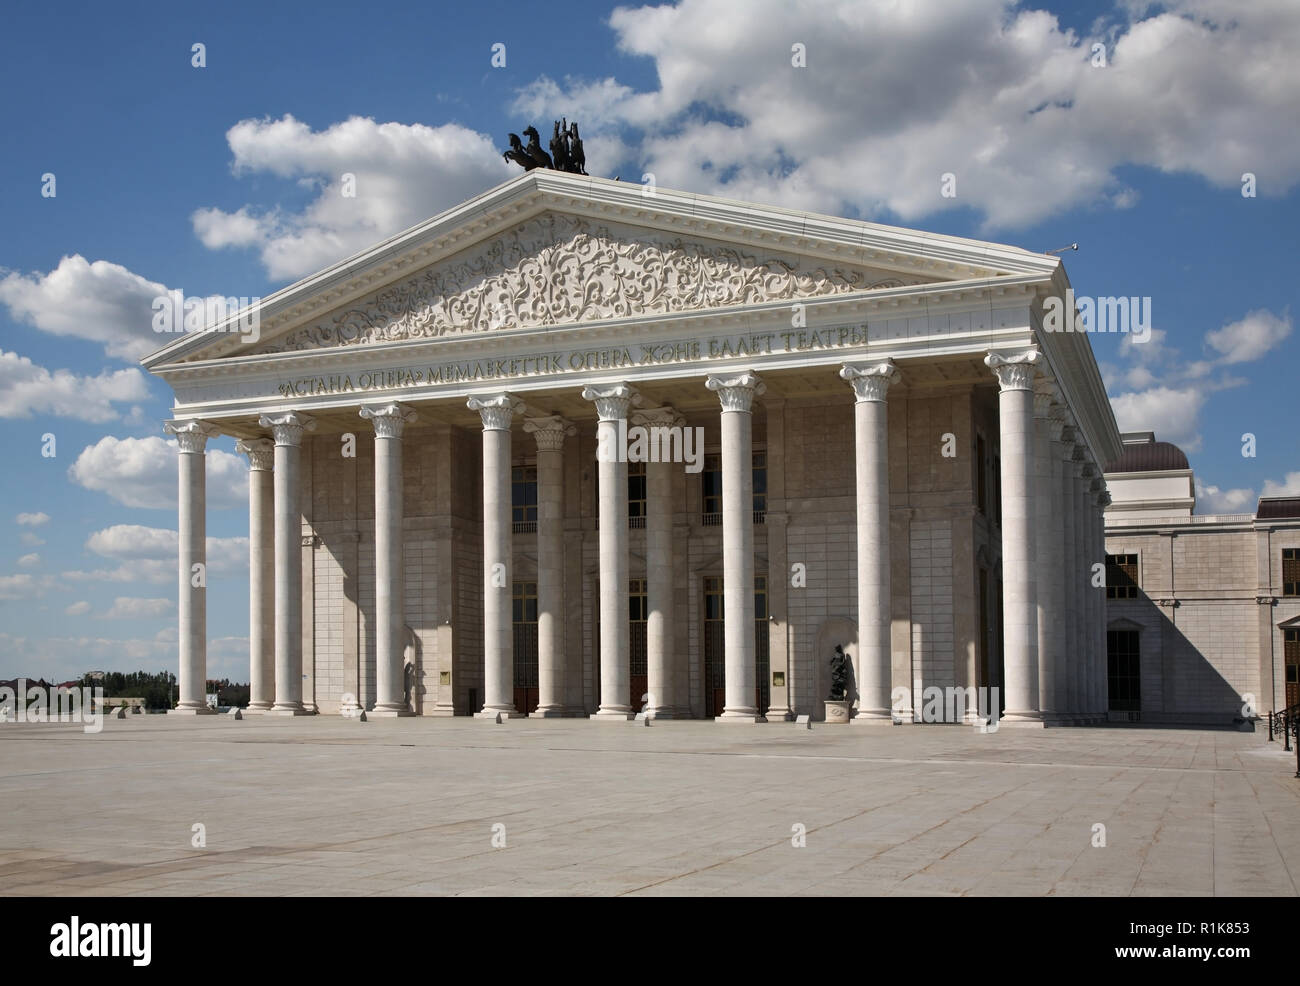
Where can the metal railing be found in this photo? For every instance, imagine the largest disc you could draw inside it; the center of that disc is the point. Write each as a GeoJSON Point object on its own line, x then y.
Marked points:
{"type": "Point", "coordinates": [1287, 722]}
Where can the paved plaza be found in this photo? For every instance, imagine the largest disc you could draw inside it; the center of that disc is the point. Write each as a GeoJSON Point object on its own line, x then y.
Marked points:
{"type": "Point", "coordinates": [331, 806]}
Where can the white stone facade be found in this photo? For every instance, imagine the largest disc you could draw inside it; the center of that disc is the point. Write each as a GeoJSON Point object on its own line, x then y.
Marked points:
{"type": "Point", "coordinates": [896, 389]}
{"type": "Point", "coordinates": [1210, 610]}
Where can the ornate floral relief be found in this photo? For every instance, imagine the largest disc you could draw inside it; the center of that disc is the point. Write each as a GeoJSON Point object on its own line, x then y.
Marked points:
{"type": "Point", "coordinates": [557, 268]}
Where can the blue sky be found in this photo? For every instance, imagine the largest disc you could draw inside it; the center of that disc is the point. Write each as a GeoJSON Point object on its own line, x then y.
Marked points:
{"type": "Point", "coordinates": [222, 179]}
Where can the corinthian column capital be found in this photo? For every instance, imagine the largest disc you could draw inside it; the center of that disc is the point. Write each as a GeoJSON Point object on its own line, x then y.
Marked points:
{"type": "Point", "coordinates": [612, 400]}
{"type": "Point", "coordinates": [736, 392]}
{"type": "Point", "coordinates": [260, 452]}
{"type": "Point", "coordinates": [191, 435]}
{"type": "Point", "coordinates": [550, 431]}
{"type": "Point", "coordinates": [1017, 371]}
{"type": "Point", "coordinates": [389, 419]}
{"type": "Point", "coordinates": [496, 411]}
{"type": "Point", "coordinates": [287, 426]}
{"type": "Point", "coordinates": [658, 417]}
{"type": "Point", "coordinates": [870, 381]}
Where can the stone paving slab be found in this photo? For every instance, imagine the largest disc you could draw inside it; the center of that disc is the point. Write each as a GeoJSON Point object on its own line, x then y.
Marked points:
{"type": "Point", "coordinates": [325, 806]}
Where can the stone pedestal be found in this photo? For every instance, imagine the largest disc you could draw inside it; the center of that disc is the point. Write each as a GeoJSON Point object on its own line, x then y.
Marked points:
{"type": "Point", "coordinates": [837, 711]}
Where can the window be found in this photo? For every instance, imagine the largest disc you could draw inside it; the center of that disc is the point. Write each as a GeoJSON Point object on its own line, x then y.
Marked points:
{"type": "Point", "coordinates": [711, 486]}
{"type": "Point", "coordinates": [711, 489]}
{"type": "Point", "coordinates": [1291, 571]}
{"type": "Point", "coordinates": [1291, 655]}
{"type": "Point", "coordinates": [523, 499]}
{"type": "Point", "coordinates": [1121, 576]}
{"type": "Point", "coordinates": [636, 494]}
{"type": "Point", "coordinates": [524, 619]}
{"type": "Point", "coordinates": [1124, 670]}
{"type": "Point", "coordinates": [997, 489]}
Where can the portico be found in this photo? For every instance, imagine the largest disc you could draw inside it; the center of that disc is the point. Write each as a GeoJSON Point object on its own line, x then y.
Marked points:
{"type": "Point", "coordinates": [492, 546]}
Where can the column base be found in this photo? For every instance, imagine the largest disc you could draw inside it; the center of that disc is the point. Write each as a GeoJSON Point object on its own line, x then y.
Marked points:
{"type": "Point", "coordinates": [257, 708]}
{"type": "Point", "coordinates": [745, 716]}
{"type": "Point", "coordinates": [1055, 719]}
{"type": "Point", "coordinates": [379, 712]}
{"type": "Point", "coordinates": [192, 710]}
{"type": "Point", "coordinates": [443, 710]}
{"type": "Point", "coordinates": [287, 710]}
{"type": "Point", "coordinates": [1022, 720]}
{"type": "Point", "coordinates": [614, 715]}
{"type": "Point", "coordinates": [550, 712]}
{"type": "Point", "coordinates": [779, 714]}
{"type": "Point", "coordinates": [492, 713]}
{"type": "Point", "coordinates": [876, 717]}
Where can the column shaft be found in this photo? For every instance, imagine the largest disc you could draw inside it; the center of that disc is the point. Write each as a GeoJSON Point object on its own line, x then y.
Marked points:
{"type": "Point", "coordinates": [874, 672]}
{"type": "Point", "coordinates": [1019, 603]}
{"type": "Point", "coordinates": [390, 560]}
{"type": "Point", "coordinates": [498, 634]}
{"type": "Point", "coordinates": [261, 573]}
{"type": "Point", "coordinates": [1048, 562]}
{"type": "Point", "coordinates": [551, 659]}
{"type": "Point", "coordinates": [287, 429]}
{"type": "Point", "coordinates": [191, 603]}
{"type": "Point", "coordinates": [736, 394]}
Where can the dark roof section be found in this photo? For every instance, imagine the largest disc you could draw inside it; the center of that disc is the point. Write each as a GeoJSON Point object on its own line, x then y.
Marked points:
{"type": "Point", "coordinates": [1142, 453]}
{"type": "Point", "coordinates": [1278, 507]}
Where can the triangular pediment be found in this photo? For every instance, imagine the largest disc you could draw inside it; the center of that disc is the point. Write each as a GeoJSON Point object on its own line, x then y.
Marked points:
{"type": "Point", "coordinates": [557, 269]}
{"type": "Point", "coordinates": [551, 250]}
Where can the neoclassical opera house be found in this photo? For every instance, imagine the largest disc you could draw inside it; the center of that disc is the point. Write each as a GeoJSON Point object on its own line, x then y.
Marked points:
{"type": "Point", "coordinates": [580, 447]}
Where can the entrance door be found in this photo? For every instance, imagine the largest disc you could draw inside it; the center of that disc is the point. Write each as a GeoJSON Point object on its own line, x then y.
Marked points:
{"type": "Point", "coordinates": [1291, 653]}
{"type": "Point", "coordinates": [1123, 670]}
{"type": "Point", "coordinates": [524, 599]}
{"type": "Point", "coordinates": [715, 676]}
{"type": "Point", "coordinates": [762, 659]}
{"type": "Point", "coordinates": [638, 670]}
{"type": "Point", "coordinates": [715, 665]}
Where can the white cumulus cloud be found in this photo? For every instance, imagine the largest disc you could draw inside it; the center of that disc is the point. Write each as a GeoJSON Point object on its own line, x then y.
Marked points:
{"type": "Point", "coordinates": [101, 302]}
{"type": "Point", "coordinates": [1250, 337]}
{"type": "Point", "coordinates": [141, 472]}
{"type": "Point", "coordinates": [401, 173]}
{"type": "Point", "coordinates": [894, 95]}
{"type": "Point", "coordinates": [149, 554]}
{"type": "Point", "coordinates": [27, 389]}
{"type": "Point", "coordinates": [127, 608]}
{"type": "Point", "coordinates": [33, 519]}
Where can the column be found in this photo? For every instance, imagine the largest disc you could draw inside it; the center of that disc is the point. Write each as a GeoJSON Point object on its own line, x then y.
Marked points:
{"type": "Point", "coordinates": [261, 573]}
{"type": "Point", "coordinates": [552, 669]}
{"type": "Point", "coordinates": [612, 402]}
{"type": "Point", "coordinates": [191, 603]}
{"type": "Point", "coordinates": [1070, 621]}
{"type": "Point", "coordinates": [1080, 580]}
{"type": "Point", "coordinates": [871, 430]}
{"type": "Point", "coordinates": [389, 421]}
{"type": "Point", "coordinates": [736, 394]}
{"type": "Point", "coordinates": [1103, 652]}
{"type": "Point", "coordinates": [498, 636]}
{"type": "Point", "coordinates": [1047, 562]}
{"type": "Point", "coordinates": [1096, 629]}
{"type": "Point", "coordinates": [286, 430]}
{"type": "Point", "coordinates": [1057, 551]}
{"type": "Point", "coordinates": [661, 424]}
{"type": "Point", "coordinates": [1019, 605]}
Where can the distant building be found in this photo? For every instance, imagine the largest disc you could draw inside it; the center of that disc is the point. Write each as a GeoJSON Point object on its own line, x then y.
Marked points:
{"type": "Point", "coordinates": [1202, 610]}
